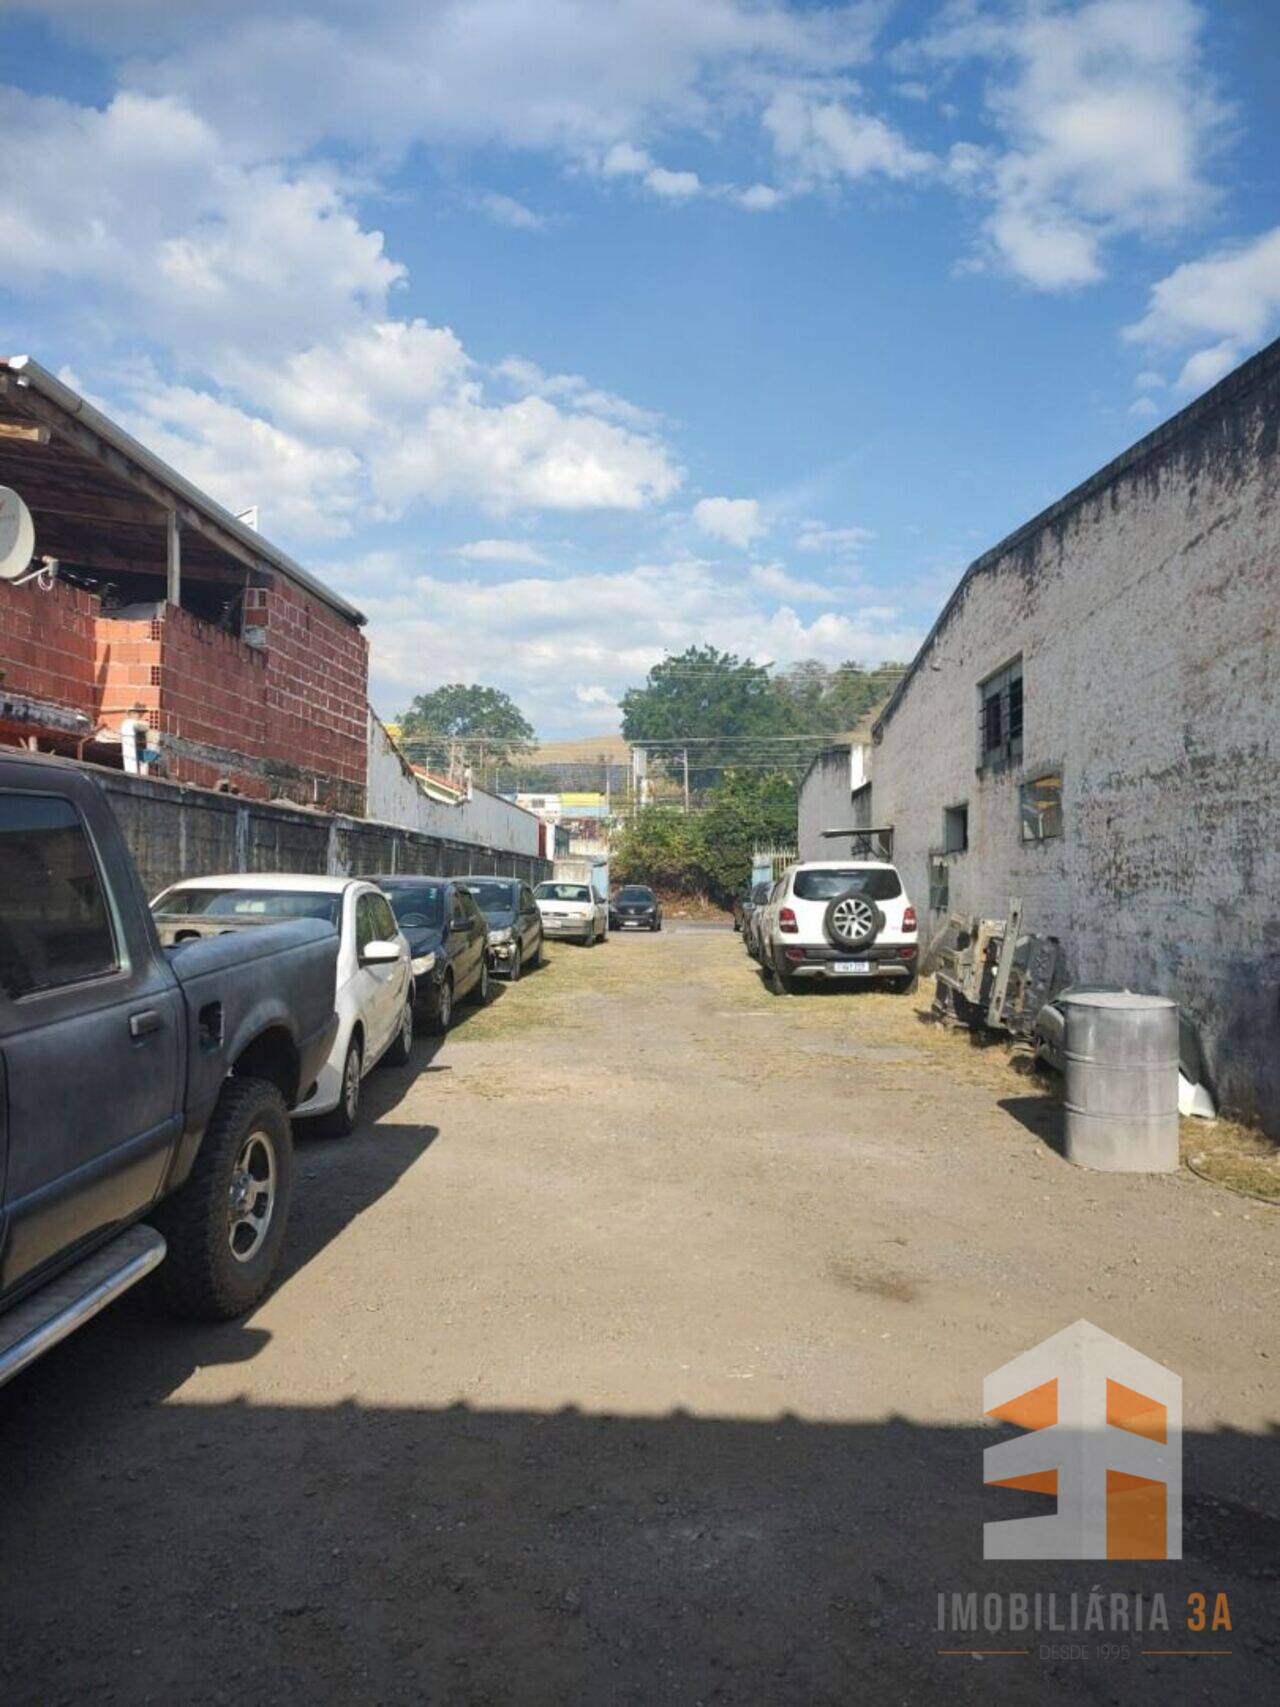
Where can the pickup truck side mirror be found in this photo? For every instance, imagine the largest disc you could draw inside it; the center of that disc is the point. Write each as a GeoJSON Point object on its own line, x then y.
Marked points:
{"type": "Point", "coordinates": [379, 953]}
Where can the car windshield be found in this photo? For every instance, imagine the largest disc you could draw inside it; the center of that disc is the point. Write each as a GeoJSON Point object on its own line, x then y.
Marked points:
{"type": "Point", "coordinates": [416, 906]}
{"type": "Point", "coordinates": [251, 904]}
{"type": "Point", "coordinates": [562, 892]}
{"type": "Point", "coordinates": [635, 894]}
{"type": "Point", "coordinates": [877, 883]}
{"type": "Point", "coordinates": [493, 897]}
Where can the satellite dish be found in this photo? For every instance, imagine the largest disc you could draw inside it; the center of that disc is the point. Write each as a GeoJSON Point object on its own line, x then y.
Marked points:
{"type": "Point", "coordinates": [17, 535]}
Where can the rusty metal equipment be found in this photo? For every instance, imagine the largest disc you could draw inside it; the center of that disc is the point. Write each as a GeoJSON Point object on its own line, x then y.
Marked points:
{"type": "Point", "coordinates": [991, 973]}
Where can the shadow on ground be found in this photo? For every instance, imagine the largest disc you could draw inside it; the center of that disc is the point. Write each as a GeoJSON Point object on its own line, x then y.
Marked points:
{"type": "Point", "coordinates": [253, 1552]}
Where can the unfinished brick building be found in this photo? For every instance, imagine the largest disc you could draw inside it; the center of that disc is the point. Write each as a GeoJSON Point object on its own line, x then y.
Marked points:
{"type": "Point", "coordinates": [165, 609]}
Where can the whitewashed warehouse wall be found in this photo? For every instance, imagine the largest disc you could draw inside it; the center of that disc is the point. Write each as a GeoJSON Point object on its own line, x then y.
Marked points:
{"type": "Point", "coordinates": [485, 819]}
{"type": "Point", "coordinates": [1145, 608]}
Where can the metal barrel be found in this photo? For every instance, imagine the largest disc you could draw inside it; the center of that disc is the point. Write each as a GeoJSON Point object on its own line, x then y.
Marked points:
{"type": "Point", "coordinates": [1121, 1091]}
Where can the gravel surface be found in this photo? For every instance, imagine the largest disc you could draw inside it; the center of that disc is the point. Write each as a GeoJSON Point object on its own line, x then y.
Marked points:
{"type": "Point", "coordinates": [633, 1352]}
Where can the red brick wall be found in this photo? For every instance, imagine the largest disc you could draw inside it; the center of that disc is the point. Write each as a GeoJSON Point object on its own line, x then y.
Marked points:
{"type": "Point", "coordinates": [46, 643]}
{"type": "Point", "coordinates": [203, 690]}
{"type": "Point", "coordinates": [285, 719]}
{"type": "Point", "coordinates": [317, 688]}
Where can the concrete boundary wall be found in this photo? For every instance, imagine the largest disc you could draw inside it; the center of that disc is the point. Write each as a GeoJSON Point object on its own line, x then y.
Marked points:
{"type": "Point", "coordinates": [175, 831]}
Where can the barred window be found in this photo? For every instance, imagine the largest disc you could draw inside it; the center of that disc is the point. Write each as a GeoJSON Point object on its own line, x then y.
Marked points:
{"type": "Point", "coordinates": [1000, 716]}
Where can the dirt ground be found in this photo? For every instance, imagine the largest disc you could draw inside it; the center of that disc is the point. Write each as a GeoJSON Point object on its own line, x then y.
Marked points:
{"type": "Point", "coordinates": [633, 1352]}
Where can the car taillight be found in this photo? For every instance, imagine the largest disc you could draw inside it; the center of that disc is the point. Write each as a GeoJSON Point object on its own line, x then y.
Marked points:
{"type": "Point", "coordinates": [909, 919]}
{"type": "Point", "coordinates": [787, 921]}
{"type": "Point", "coordinates": [906, 953]}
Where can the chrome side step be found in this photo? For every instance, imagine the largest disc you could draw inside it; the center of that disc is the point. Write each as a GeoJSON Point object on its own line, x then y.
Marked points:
{"type": "Point", "coordinates": [69, 1300]}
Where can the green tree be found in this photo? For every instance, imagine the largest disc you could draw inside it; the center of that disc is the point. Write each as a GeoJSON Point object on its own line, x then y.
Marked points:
{"type": "Point", "coordinates": [748, 808]}
{"type": "Point", "coordinates": [481, 725]}
{"type": "Point", "coordinates": [707, 695]}
{"type": "Point", "coordinates": [662, 847]}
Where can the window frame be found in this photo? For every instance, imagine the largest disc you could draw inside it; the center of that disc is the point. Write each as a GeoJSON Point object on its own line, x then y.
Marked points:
{"type": "Point", "coordinates": [996, 690]}
{"type": "Point", "coordinates": [123, 965]}
{"type": "Point", "coordinates": [1026, 789]}
{"type": "Point", "coordinates": [951, 815]}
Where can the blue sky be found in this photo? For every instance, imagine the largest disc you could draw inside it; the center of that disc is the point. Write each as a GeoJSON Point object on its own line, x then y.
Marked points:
{"type": "Point", "coordinates": [561, 334]}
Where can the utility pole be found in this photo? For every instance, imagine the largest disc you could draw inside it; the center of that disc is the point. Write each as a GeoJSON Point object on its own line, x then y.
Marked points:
{"type": "Point", "coordinates": [686, 782]}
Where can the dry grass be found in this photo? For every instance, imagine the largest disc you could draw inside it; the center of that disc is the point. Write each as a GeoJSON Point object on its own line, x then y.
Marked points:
{"type": "Point", "coordinates": [1233, 1156]}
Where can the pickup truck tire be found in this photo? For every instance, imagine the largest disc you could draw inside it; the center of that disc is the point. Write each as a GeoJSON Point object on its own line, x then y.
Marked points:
{"type": "Point", "coordinates": [780, 982]}
{"type": "Point", "coordinates": [225, 1226]}
{"type": "Point", "coordinates": [400, 1048]}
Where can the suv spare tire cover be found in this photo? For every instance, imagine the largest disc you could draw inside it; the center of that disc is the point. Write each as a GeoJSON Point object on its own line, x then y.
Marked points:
{"type": "Point", "coordinates": [852, 920]}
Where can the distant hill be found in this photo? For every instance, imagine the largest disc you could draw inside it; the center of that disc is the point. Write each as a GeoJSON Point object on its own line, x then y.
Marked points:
{"type": "Point", "coordinates": [585, 751]}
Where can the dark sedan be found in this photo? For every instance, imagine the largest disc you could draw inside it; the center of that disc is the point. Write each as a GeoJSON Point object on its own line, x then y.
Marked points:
{"type": "Point", "coordinates": [515, 924]}
{"type": "Point", "coordinates": [635, 905]}
{"type": "Point", "coordinates": [448, 938]}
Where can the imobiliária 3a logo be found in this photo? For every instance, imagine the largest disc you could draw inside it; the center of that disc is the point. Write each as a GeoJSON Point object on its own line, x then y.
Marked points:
{"type": "Point", "coordinates": [1103, 1436]}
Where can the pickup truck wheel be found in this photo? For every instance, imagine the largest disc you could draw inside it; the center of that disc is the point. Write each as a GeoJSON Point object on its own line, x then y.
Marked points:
{"type": "Point", "coordinates": [780, 983]}
{"type": "Point", "coordinates": [401, 1048]}
{"type": "Point", "coordinates": [225, 1226]}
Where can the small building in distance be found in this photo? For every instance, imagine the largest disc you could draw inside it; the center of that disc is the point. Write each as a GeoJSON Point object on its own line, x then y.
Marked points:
{"type": "Point", "coordinates": [167, 611]}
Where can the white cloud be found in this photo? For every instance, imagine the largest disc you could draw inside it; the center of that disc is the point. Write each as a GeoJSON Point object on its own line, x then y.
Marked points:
{"type": "Point", "coordinates": [1106, 118]}
{"type": "Point", "coordinates": [142, 202]}
{"type": "Point", "coordinates": [813, 536]}
{"type": "Point", "coordinates": [819, 141]}
{"type": "Point", "coordinates": [272, 300]}
{"type": "Point", "coordinates": [306, 490]}
{"type": "Point", "coordinates": [501, 551]}
{"type": "Point", "coordinates": [1144, 407]}
{"type": "Point", "coordinates": [776, 579]}
{"type": "Point", "coordinates": [735, 520]}
{"type": "Point", "coordinates": [506, 210]}
{"type": "Point", "coordinates": [673, 186]}
{"type": "Point", "coordinates": [603, 629]}
{"type": "Point", "coordinates": [1227, 302]}
{"type": "Point", "coordinates": [759, 198]}
{"type": "Point", "coordinates": [572, 76]}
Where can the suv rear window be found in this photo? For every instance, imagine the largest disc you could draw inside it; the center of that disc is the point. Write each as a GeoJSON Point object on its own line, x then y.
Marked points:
{"type": "Point", "coordinates": [54, 925]}
{"type": "Point", "coordinates": [877, 883]}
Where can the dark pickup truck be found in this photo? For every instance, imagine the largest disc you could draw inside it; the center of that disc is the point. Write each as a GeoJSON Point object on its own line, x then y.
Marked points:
{"type": "Point", "coordinates": [144, 1092]}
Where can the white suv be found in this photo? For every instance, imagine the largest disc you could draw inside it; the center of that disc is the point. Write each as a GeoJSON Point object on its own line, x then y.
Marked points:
{"type": "Point", "coordinates": [838, 919]}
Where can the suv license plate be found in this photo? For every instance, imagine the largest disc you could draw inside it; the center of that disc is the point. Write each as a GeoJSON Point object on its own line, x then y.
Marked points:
{"type": "Point", "coordinates": [851, 966]}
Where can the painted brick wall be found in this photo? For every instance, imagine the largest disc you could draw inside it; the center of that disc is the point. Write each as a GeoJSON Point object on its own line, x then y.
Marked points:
{"type": "Point", "coordinates": [1146, 609]}
{"type": "Point", "coordinates": [46, 643]}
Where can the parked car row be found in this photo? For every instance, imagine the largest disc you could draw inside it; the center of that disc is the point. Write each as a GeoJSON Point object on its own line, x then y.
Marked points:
{"type": "Point", "coordinates": [154, 1057]}
{"type": "Point", "coordinates": [845, 921]}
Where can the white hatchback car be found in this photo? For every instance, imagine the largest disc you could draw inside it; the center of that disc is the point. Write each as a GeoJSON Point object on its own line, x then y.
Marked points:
{"type": "Point", "coordinates": [375, 976]}
{"type": "Point", "coordinates": [573, 910]}
{"type": "Point", "coordinates": [848, 920]}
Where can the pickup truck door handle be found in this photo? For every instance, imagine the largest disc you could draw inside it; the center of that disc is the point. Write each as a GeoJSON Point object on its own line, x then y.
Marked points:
{"type": "Point", "coordinates": [142, 1024]}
